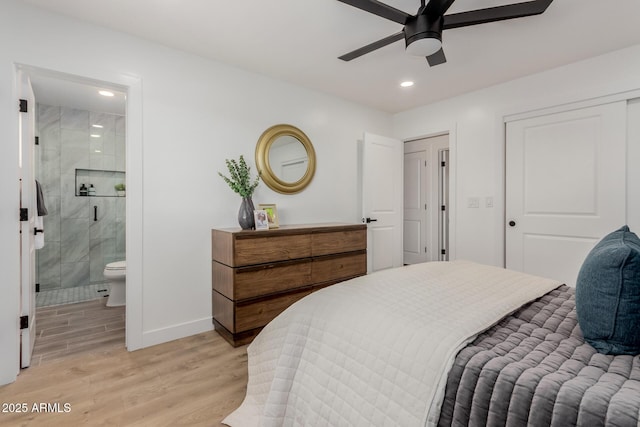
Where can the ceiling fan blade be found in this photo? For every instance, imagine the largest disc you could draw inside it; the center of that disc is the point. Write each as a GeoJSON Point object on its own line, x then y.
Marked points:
{"type": "Point", "coordinates": [492, 14]}
{"type": "Point", "coordinates": [372, 46]}
{"type": "Point", "coordinates": [380, 9]}
{"type": "Point", "coordinates": [437, 58]}
{"type": "Point", "coordinates": [438, 7]}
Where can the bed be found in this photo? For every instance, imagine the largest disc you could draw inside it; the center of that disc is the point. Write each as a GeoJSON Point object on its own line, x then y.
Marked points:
{"type": "Point", "coordinates": [444, 343]}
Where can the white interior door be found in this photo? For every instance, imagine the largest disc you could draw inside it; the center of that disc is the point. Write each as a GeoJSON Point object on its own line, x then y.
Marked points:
{"type": "Point", "coordinates": [416, 181]}
{"type": "Point", "coordinates": [426, 207]}
{"type": "Point", "coordinates": [565, 188]}
{"type": "Point", "coordinates": [28, 226]}
{"type": "Point", "coordinates": [382, 200]}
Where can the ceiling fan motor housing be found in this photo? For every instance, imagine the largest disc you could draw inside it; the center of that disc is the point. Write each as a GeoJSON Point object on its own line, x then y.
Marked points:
{"type": "Point", "coordinates": [421, 27]}
{"type": "Point", "coordinates": [422, 32]}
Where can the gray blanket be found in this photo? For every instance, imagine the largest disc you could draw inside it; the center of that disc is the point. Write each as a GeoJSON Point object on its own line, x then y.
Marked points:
{"type": "Point", "coordinates": [534, 368]}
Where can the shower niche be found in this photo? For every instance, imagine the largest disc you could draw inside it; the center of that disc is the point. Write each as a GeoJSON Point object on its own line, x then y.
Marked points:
{"type": "Point", "coordinates": [99, 183]}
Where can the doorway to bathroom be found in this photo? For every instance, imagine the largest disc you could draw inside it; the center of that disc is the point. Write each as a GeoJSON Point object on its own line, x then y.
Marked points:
{"type": "Point", "coordinates": [79, 163]}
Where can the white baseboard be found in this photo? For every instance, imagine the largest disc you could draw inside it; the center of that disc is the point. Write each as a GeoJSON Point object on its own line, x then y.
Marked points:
{"type": "Point", "coordinates": [170, 333]}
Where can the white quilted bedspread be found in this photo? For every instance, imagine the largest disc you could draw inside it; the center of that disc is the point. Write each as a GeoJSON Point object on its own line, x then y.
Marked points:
{"type": "Point", "coordinates": [376, 350]}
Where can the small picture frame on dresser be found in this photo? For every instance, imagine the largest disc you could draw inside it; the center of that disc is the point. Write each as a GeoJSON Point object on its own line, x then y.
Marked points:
{"type": "Point", "coordinates": [272, 214]}
{"type": "Point", "coordinates": [260, 216]}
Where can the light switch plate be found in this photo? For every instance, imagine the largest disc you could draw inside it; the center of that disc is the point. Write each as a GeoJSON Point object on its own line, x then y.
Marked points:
{"type": "Point", "coordinates": [473, 202]}
{"type": "Point", "coordinates": [488, 202]}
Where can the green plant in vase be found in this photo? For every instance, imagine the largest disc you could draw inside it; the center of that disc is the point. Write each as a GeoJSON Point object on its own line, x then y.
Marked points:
{"type": "Point", "coordinates": [120, 189]}
{"type": "Point", "coordinates": [240, 181]}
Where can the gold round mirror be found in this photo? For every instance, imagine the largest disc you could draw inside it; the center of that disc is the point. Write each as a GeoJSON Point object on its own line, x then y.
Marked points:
{"type": "Point", "coordinates": [285, 159]}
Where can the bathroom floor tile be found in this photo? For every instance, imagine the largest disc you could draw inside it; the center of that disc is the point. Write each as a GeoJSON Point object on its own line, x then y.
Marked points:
{"type": "Point", "coordinates": [62, 296]}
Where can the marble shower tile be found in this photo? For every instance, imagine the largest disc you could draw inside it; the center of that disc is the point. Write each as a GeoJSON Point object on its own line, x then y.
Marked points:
{"type": "Point", "coordinates": [106, 120]}
{"type": "Point", "coordinates": [120, 122]}
{"type": "Point", "coordinates": [96, 262]}
{"type": "Point", "coordinates": [49, 172]}
{"type": "Point", "coordinates": [74, 150]}
{"type": "Point", "coordinates": [96, 146]}
{"type": "Point", "coordinates": [109, 251]}
{"type": "Point", "coordinates": [48, 266]}
{"type": "Point", "coordinates": [121, 244]}
{"type": "Point", "coordinates": [49, 127]}
{"type": "Point", "coordinates": [108, 162]}
{"type": "Point", "coordinates": [74, 243]}
{"type": "Point", "coordinates": [50, 139]}
{"type": "Point", "coordinates": [70, 118]}
{"type": "Point", "coordinates": [52, 220]}
{"type": "Point", "coordinates": [48, 115]}
{"type": "Point", "coordinates": [108, 247]}
{"type": "Point", "coordinates": [74, 274]}
{"type": "Point", "coordinates": [105, 227]}
{"type": "Point", "coordinates": [121, 209]}
{"type": "Point", "coordinates": [109, 146]}
{"type": "Point", "coordinates": [96, 161]}
{"type": "Point", "coordinates": [72, 206]}
{"type": "Point", "coordinates": [120, 152]}
{"type": "Point", "coordinates": [102, 253]}
{"type": "Point", "coordinates": [53, 206]}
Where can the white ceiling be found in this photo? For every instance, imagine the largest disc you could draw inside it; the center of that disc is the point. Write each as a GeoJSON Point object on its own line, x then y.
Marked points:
{"type": "Point", "coordinates": [299, 41]}
{"type": "Point", "coordinates": [57, 91]}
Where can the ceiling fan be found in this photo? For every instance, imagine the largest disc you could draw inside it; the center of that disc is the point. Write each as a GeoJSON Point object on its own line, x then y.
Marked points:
{"type": "Point", "coordinates": [422, 32]}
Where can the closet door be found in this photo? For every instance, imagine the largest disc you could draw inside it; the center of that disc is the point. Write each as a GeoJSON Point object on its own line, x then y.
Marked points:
{"type": "Point", "coordinates": [565, 187]}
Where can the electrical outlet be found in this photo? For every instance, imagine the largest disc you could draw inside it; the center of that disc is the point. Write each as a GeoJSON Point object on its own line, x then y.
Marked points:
{"type": "Point", "coordinates": [473, 202]}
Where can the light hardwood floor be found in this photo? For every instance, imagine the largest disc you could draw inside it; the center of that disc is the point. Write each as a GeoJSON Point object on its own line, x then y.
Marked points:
{"type": "Point", "coordinates": [194, 381]}
{"type": "Point", "coordinates": [71, 329]}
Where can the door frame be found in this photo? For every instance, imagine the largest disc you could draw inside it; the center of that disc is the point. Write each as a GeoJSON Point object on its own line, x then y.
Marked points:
{"type": "Point", "coordinates": [433, 238]}
{"type": "Point", "coordinates": [26, 138]}
{"type": "Point", "coordinates": [132, 86]}
{"type": "Point", "coordinates": [449, 130]}
{"type": "Point", "coordinates": [551, 106]}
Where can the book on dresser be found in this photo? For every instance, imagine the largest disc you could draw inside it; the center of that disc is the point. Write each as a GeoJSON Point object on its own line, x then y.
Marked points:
{"type": "Point", "coordinates": [258, 274]}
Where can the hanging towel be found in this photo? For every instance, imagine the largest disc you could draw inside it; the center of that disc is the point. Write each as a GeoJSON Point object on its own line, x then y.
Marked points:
{"type": "Point", "coordinates": [42, 209]}
{"type": "Point", "coordinates": [38, 241]}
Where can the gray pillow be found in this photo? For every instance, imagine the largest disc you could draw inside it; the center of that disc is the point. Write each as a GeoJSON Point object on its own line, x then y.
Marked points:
{"type": "Point", "coordinates": [608, 294]}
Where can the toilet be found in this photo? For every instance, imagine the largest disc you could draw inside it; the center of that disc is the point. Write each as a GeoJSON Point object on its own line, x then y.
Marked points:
{"type": "Point", "coordinates": [115, 274]}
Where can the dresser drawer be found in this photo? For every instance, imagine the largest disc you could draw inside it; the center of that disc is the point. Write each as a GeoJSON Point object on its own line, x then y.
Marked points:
{"type": "Point", "coordinates": [333, 268]}
{"type": "Point", "coordinates": [260, 250]}
{"type": "Point", "coordinates": [249, 282]}
{"type": "Point", "coordinates": [332, 242]}
{"type": "Point", "coordinates": [253, 313]}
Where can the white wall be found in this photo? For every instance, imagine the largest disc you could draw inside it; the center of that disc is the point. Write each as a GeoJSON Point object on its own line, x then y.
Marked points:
{"type": "Point", "coordinates": [477, 119]}
{"type": "Point", "coordinates": [187, 115]}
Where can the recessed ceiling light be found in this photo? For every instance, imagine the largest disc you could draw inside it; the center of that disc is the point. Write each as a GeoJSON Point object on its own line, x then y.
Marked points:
{"type": "Point", "coordinates": [105, 93]}
{"type": "Point", "coordinates": [97, 126]}
{"type": "Point", "coordinates": [98, 151]}
{"type": "Point", "coordinates": [94, 135]}
{"type": "Point", "coordinates": [408, 83]}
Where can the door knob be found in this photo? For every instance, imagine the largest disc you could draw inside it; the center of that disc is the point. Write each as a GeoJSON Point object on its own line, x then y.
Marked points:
{"type": "Point", "coordinates": [512, 223]}
{"type": "Point", "coordinates": [368, 220]}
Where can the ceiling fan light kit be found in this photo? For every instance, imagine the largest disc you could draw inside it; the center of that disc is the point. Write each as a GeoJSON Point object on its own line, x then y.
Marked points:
{"type": "Point", "coordinates": [423, 36]}
{"type": "Point", "coordinates": [422, 32]}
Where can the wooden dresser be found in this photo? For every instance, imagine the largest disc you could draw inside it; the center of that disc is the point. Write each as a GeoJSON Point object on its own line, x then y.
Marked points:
{"type": "Point", "coordinates": [257, 274]}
